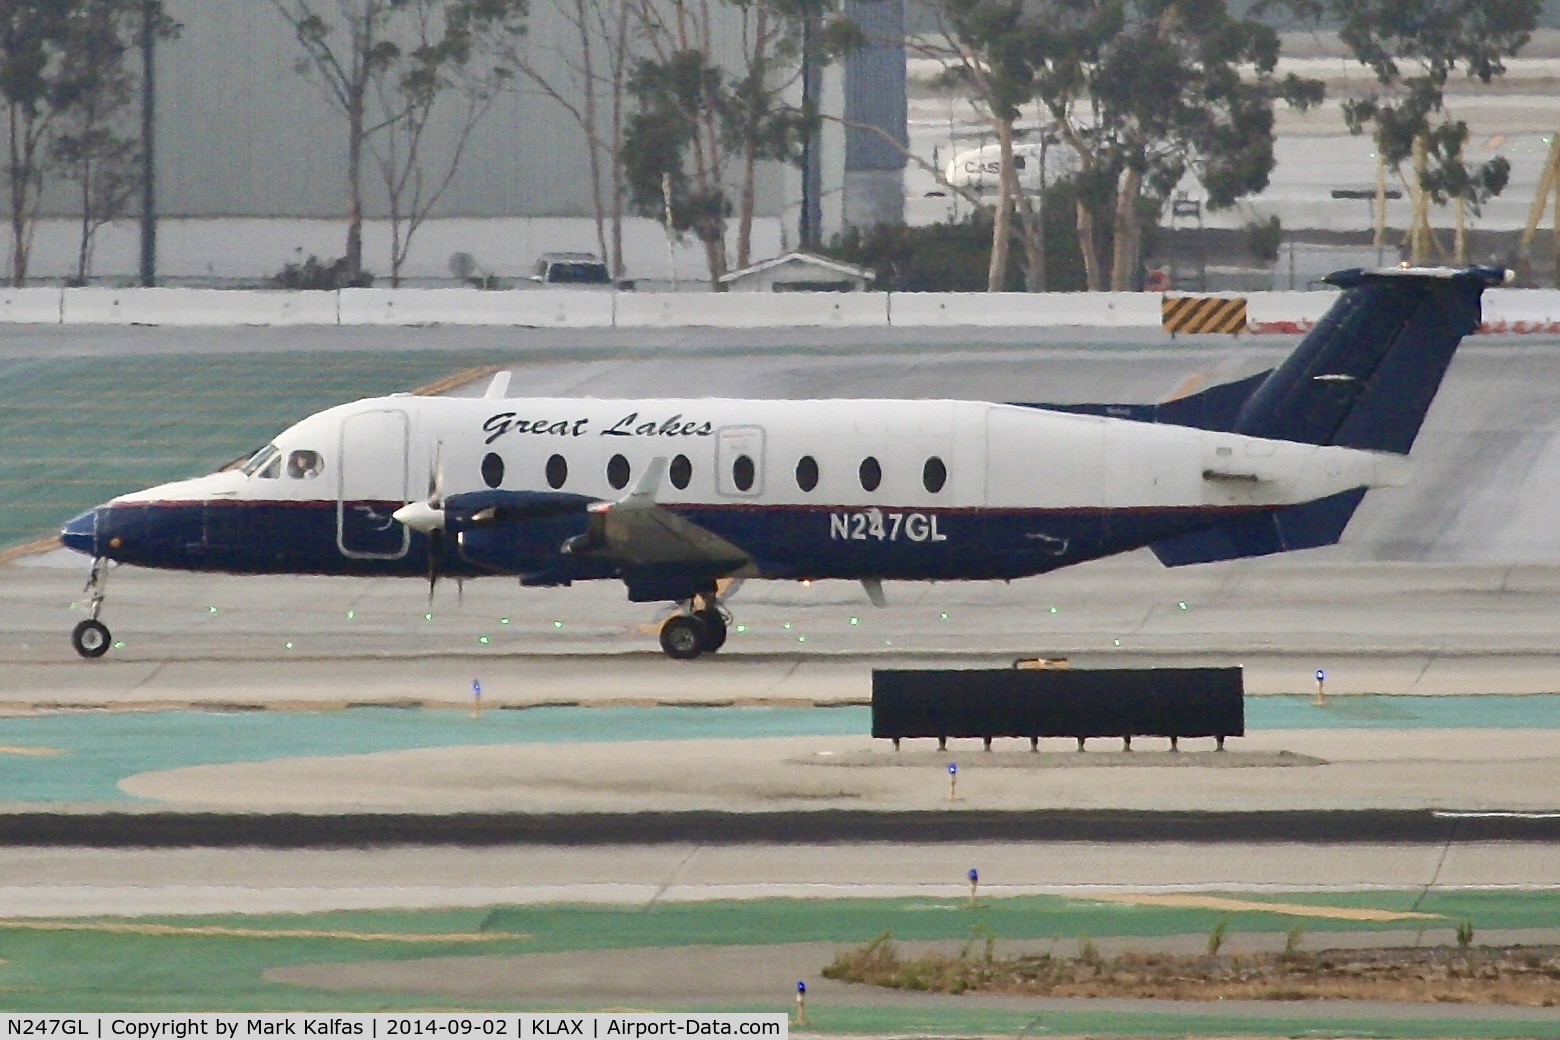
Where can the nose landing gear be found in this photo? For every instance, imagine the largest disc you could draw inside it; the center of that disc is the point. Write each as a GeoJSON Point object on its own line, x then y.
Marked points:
{"type": "Point", "coordinates": [700, 627]}
{"type": "Point", "coordinates": [91, 637]}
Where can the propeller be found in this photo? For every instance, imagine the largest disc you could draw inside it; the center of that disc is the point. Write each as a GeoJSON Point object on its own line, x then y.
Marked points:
{"type": "Point", "coordinates": [427, 517]}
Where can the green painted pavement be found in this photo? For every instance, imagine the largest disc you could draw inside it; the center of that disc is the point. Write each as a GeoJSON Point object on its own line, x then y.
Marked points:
{"type": "Point", "coordinates": [79, 430]}
{"type": "Point", "coordinates": [97, 750]}
{"type": "Point", "coordinates": [595, 927]}
{"type": "Point", "coordinates": [101, 971]}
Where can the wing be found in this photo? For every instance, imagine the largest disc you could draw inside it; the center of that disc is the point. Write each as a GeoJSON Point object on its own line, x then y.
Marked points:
{"type": "Point", "coordinates": [659, 554]}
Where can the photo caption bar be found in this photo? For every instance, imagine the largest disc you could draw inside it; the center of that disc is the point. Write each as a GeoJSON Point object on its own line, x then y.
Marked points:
{"type": "Point", "coordinates": [515, 1026]}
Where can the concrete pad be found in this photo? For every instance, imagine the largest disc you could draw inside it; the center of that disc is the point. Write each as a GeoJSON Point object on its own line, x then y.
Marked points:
{"type": "Point", "coordinates": [66, 882]}
{"type": "Point", "coordinates": [1436, 769]}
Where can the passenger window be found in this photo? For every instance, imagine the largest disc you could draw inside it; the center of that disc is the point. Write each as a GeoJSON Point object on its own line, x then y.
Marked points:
{"type": "Point", "coordinates": [742, 473]}
{"type": "Point", "coordinates": [492, 469]}
{"type": "Point", "coordinates": [934, 474]}
{"type": "Point", "coordinates": [806, 472]}
{"type": "Point", "coordinates": [304, 464]}
{"type": "Point", "coordinates": [618, 472]}
{"type": "Point", "coordinates": [871, 474]}
{"type": "Point", "coordinates": [681, 472]}
{"type": "Point", "coordinates": [557, 471]}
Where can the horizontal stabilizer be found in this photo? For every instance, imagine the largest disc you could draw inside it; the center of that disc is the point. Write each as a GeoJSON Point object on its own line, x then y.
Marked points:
{"type": "Point", "coordinates": [1306, 526]}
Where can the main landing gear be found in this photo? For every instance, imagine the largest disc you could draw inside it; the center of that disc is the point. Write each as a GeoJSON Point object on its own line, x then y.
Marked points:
{"type": "Point", "coordinates": [700, 627]}
{"type": "Point", "coordinates": [91, 637]}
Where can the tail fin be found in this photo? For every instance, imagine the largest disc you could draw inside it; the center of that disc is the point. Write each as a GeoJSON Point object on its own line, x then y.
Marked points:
{"type": "Point", "coordinates": [1363, 378]}
{"type": "Point", "coordinates": [1365, 375]}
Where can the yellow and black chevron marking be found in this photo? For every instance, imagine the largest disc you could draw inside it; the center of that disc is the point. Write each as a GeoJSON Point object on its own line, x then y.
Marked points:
{"type": "Point", "coordinates": [1203, 314]}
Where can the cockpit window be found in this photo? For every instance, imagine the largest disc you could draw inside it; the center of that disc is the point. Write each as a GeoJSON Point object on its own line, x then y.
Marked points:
{"type": "Point", "coordinates": [304, 464]}
{"type": "Point", "coordinates": [260, 461]}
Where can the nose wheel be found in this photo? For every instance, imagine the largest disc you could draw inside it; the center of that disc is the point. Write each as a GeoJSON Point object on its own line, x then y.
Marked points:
{"type": "Point", "coordinates": [91, 637]}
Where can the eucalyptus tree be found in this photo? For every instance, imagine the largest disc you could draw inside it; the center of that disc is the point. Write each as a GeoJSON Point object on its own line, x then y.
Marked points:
{"type": "Point", "coordinates": [1414, 48]}
{"type": "Point", "coordinates": [1148, 91]}
{"type": "Point", "coordinates": [95, 141]}
{"type": "Point", "coordinates": [34, 79]}
{"type": "Point", "coordinates": [385, 65]}
{"type": "Point", "coordinates": [584, 70]}
{"type": "Point", "coordinates": [705, 121]}
{"type": "Point", "coordinates": [993, 48]}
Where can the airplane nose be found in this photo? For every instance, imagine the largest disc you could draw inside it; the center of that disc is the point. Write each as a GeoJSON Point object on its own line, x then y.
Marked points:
{"type": "Point", "coordinates": [80, 533]}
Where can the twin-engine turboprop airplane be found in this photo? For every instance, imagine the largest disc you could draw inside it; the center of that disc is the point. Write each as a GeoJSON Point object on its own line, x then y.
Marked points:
{"type": "Point", "coordinates": [673, 496]}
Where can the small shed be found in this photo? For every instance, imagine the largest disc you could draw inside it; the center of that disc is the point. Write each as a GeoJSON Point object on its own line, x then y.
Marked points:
{"type": "Point", "coordinates": [799, 272]}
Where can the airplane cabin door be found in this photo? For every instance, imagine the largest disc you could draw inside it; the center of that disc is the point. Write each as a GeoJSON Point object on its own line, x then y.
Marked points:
{"type": "Point", "coordinates": [371, 475]}
{"type": "Point", "coordinates": [739, 460]}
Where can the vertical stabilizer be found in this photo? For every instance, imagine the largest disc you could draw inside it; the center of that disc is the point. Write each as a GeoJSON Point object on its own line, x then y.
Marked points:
{"type": "Point", "coordinates": [1363, 378]}
{"type": "Point", "coordinates": [1365, 375]}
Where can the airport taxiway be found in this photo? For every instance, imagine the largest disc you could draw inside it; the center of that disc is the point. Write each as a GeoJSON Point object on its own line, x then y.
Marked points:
{"type": "Point", "coordinates": [1451, 586]}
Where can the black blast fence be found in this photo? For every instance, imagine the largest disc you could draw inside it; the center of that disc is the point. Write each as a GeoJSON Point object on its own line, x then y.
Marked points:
{"type": "Point", "coordinates": [1010, 702]}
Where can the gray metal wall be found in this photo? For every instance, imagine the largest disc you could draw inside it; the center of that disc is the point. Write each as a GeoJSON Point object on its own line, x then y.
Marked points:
{"type": "Point", "coordinates": [242, 133]}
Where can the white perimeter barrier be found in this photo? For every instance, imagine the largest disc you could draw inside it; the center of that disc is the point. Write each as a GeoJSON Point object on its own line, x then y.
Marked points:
{"type": "Point", "coordinates": [195, 307]}
{"type": "Point", "coordinates": [751, 310]}
{"type": "Point", "coordinates": [1287, 311]}
{"type": "Point", "coordinates": [1096, 310]}
{"type": "Point", "coordinates": [534, 308]}
{"type": "Point", "coordinates": [30, 306]}
{"type": "Point", "coordinates": [1505, 310]}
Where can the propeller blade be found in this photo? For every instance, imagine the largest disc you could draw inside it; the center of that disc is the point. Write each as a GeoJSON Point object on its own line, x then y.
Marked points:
{"type": "Point", "coordinates": [436, 477]}
{"type": "Point", "coordinates": [435, 560]}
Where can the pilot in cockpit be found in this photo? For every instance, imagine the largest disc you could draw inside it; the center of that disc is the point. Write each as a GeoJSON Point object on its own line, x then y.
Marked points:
{"type": "Point", "coordinates": [304, 464]}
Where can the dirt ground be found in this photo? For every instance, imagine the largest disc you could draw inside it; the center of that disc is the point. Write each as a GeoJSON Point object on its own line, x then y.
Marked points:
{"type": "Point", "coordinates": [1513, 975]}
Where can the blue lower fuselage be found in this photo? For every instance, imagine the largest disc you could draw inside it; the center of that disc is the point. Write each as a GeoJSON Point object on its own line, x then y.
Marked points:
{"type": "Point", "coordinates": [325, 537]}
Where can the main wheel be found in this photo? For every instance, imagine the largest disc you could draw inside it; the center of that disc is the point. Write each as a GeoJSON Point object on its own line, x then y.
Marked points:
{"type": "Point", "coordinates": [683, 637]}
{"type": "Point", "coordinates": [714, 627]}
{"type": "Point", "coordinates": [91, 638]}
